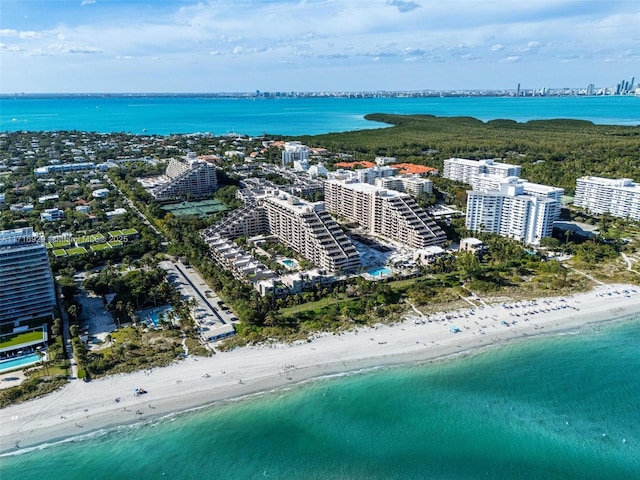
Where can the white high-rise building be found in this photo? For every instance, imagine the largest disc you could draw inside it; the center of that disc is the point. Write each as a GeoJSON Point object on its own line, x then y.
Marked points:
{"type": "Point", "coordinates": [387, 213]}
{"type": "Point", "coordinates": [27, 293]}
{"type": "Point", "coordinates": [485, 182]}
{"type": "Point", "coordinates": [462, 169]}
{"type": "Point", "coordinates": [510, 213]}
{"type": "Point", "coordinates": [617, 197]}
{"type": "Point", "coordinates": [294, 152]}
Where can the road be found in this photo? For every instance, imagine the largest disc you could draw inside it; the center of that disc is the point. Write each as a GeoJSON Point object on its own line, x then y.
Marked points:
{"type": "Point", "coordinates": [66, 336]}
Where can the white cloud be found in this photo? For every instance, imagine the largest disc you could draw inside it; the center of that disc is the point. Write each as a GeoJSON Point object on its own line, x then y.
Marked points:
{"type": "Point", "coordinates": [87, 2]}
{"type": "Point", "coordinates": [428, 36]}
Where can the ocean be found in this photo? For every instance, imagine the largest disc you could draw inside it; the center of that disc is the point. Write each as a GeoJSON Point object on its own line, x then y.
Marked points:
{"type": "Point", "coordinates": [552, 407]}
{"type": "Point", "coordinates": [165, 115]}
{"type": "Point", "coordinates": [562, 406]}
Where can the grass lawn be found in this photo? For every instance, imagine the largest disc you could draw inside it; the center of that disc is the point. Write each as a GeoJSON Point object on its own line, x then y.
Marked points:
{"type": "Point", "coordinates": [114, 243]}
{"type": "Point", "coordinates": [77, 251]}
{"type": "Point", "coordinates": [130, 231]}
{"type": "Point", "coordinates": [60, 252]}
{"type": "Point", "coordinates": [61, 244]}
{"type": "Point", "coordinates": [317, 305]}
{"type": "Point", "coordinates": [20, 338]}
{"type": "Point", "coordinates": [99, 246]}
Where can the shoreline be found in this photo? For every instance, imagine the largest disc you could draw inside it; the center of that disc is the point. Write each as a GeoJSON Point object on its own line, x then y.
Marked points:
{"type": "Point", "coordinates": [81, 409]}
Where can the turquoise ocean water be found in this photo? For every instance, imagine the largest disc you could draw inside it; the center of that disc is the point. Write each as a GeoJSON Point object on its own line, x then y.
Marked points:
{"type": "Point", "coordinates": [558, 407]}
{"type": "Point", "coordinates": [555, 407]}
{"type": "Point", "coordinates": [286, 116]}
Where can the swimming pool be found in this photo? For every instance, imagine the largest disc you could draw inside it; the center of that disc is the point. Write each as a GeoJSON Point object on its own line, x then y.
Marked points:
{"type": "Point", "coordinates": [15, 363]}
{"type": "Point", "coordinates": [289, 262]}
{"type": "Point", "coordinates": [380, 272]}
{"type": "Point", "coordinates": [153, 314]}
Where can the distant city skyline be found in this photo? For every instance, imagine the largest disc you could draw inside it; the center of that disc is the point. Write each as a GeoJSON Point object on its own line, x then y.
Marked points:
{"type": "Point", "coordinates": [181, 46]}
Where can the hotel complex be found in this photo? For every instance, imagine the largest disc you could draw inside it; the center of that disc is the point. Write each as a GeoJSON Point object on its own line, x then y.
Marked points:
{"type": "Point", "coordinates": [617, 197]}
{"type": "Point", "coordinates": [303, 226]}
{"type": "Point", "coordinates": [386, 213]}
{"type": "Point", "coordinates": [27, 294]}
{"type": "Point", "coordinates": [186, 178]}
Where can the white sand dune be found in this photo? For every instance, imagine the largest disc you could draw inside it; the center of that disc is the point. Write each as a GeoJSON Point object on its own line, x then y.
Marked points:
{"type": "Point", "coordinates": [82, 407]}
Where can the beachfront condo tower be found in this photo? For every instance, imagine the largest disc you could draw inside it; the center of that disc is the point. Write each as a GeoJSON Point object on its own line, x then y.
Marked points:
{"type": "Point", "coordinates": [510, 213]}
{"type": "Point", "coordinates": [27, 293]}
{"type": "Point", "coordinates": [381, 212]}
{"type": "Point", "coordinates": [618, 197]}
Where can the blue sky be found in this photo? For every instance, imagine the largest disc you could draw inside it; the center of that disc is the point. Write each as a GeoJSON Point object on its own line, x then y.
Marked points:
{"type": "Point", "coordinates": [314, 45]}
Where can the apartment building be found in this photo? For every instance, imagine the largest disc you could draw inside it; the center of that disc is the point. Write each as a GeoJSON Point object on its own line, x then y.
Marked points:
{"type": "Point", "coordinates": [295, 152]}
{"type": "Point", "coordinates": [414, 185]}
{"type": "Point", "coordinates": [187, 177]}
{"type": "Point", "coordinates": [64, 168]}
{"type": "Point", "coordinates": [510, 213]}
{"type": "Point", "coordinates": [303, 226]}
{"type": "Point", "coordinates": [363, 175]}
{"type": "Point", "coordinates": [462, 169]}
{"type": "Point", "coordinates": [617, 197]}
{"type": "Point", "coordinates": [387, 213]}
{"type": "Point", "coordinates": [486, 182]}
{"type": "Point", "coordinates": [27, 294]}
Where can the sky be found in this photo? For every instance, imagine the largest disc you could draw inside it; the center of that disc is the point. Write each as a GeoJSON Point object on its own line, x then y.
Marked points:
{"type": "Point", "coordinates": [143, 46]}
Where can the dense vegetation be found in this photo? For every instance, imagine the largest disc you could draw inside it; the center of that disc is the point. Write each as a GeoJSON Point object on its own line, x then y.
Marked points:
{"type": "Point", "coordinates": [552, 152]}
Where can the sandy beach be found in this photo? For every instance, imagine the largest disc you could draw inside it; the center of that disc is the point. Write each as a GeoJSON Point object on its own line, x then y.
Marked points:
{"type": "Point", "coordinates": [80, 408]}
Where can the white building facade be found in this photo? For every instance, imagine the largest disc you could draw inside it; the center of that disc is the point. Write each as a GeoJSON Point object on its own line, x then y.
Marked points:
{"type": "Point", "coordinates": [511, 213]}
{"type": "Point", "coordinates": [387, 213]}
{"type": "Point", "coordinates": [303, 226]}
{"type": "Point", "coordinates": [617, 197]}
{"type": "Point", "coordinates": [187, 178]}
{"type": "Point", "coordinates": [462, 169]}
{"type": "Point", "coordinates": [485, 182]}
{"type": "Point", "coordinates": [295, 152]}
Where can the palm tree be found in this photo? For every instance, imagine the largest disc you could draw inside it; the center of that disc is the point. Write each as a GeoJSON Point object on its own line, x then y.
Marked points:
{"type": "Point", "coordinates": [72, 310]}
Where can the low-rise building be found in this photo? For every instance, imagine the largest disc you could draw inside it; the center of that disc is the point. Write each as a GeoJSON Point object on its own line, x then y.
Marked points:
{"type": "Point", "coordinates": [51, 214]}
{"type": "Point", "coordinates": [100, 193]}
{"type": "Point", "coordinates": [471, 244]}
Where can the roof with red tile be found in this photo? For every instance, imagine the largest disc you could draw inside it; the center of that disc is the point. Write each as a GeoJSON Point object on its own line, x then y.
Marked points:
{"type": "Point", "coordinates": [413, 169]}
{"type": "Point", "coordinates": [363, 163]}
